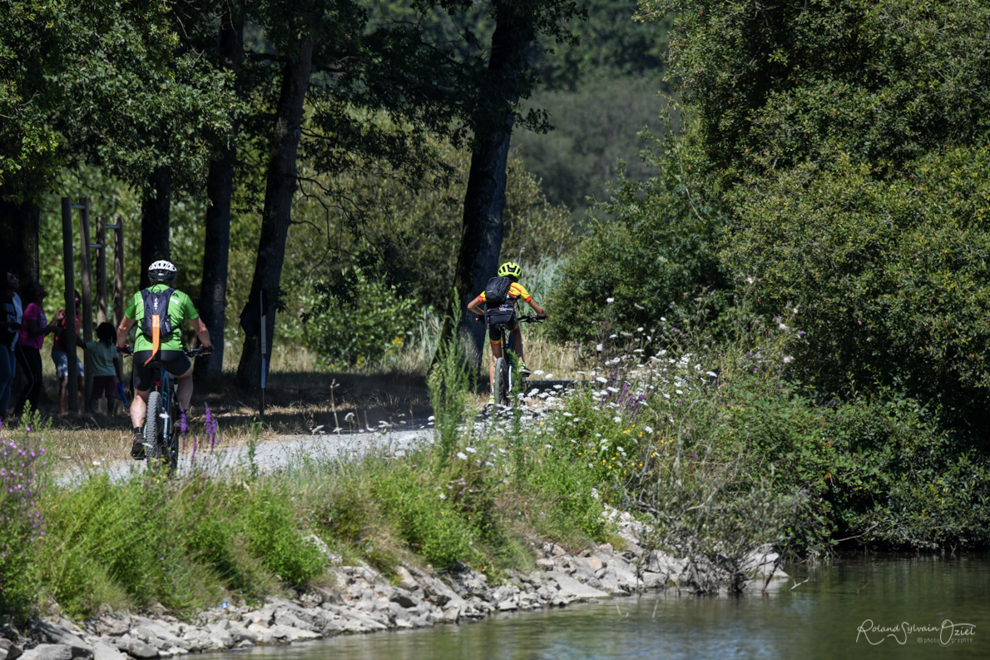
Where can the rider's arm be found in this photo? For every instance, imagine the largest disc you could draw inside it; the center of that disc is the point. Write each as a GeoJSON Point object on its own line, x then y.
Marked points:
{"type": "Point", "coordinates": [202, 332]}
{"type": "Point", "coordinates": [475, 306]}
{"type": "Point", "coordinates": [539, 310]}
{"type": "Point", "coordinates": [125, 326]}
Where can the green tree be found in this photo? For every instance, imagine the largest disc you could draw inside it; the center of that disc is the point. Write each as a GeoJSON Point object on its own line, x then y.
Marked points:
{"type": "Point", "coordinates": [509, 76]}
{"type": "Point", "coordinates": [102, 83]}
{"type": "Point", "coordinates": [845, 142]}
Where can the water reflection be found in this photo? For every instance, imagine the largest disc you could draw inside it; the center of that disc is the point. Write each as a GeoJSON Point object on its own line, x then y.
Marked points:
{"type": "Point", "coordinates": [819, 619]}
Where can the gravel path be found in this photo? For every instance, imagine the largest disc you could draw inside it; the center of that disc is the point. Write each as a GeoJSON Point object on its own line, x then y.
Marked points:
{"type": "Point", "coordinates": [273, 454]}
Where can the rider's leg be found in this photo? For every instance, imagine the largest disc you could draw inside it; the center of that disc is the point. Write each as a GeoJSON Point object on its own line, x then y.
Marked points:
{"type": "Point", "coordinates": [517, 345]}
{"type": "Point", "coordinates": [184, 389]}
{"type": "Point", "coordinates": [139, 408]}
{"type": "Point", "coordinates": [496, 354]}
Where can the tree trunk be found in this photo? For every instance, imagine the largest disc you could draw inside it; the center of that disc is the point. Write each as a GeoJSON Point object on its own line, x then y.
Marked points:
{"type": "Point", "coordinates": [484, 202]}
{"type": "Point", "coordinates": [19, 224]}
{"type": "Point", "coordinates": [154, 220]}
{"type": "Point", "coordinates": [219, 191]}
{"type": "Point", "coordinates": [279, 190]}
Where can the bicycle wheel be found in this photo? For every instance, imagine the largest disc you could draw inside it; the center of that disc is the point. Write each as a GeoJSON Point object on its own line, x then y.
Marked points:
{"type": "Point", "coordinates": [502, 381]}
{"type": "Point", "coordinates": [153, 429]}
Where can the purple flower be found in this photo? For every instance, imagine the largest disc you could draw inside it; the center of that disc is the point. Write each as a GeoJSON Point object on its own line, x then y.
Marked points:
{"type": "Point", "coordinates": [183, 427]}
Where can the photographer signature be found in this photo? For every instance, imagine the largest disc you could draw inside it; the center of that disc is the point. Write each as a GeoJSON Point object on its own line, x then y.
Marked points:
{"type": "Point", "coordinates": [948, 632]}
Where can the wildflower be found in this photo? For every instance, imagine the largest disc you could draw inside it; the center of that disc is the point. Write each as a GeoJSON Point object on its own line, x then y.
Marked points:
{"type": "Point", "coordinates": [461, 455]}
{"type": "Point", "coordinates": [471, 450]}
{"type": "Point", "coordinates": [610, 300]}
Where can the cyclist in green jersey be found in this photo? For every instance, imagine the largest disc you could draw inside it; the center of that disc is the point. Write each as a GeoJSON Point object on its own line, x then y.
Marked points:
{"type": "Point", "coordinates": [167, 348]}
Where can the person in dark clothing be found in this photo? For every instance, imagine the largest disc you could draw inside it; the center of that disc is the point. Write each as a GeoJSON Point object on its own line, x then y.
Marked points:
{"type": "Point", "coordinates": [10, 330]}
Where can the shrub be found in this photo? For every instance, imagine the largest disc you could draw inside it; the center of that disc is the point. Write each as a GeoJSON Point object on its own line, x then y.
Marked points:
{"type": "Point", "coordinates": [358, 318]}
{"type": "Point", "coordinates": [658, 240]}
{"type": "Point", "coordinates": [887, 275]}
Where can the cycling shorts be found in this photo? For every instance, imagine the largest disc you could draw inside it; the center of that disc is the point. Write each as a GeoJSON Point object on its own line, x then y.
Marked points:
{"type": "Point", "coordinates": [497, 318]}
{"type": "Point", "coordinates": [175, 362]}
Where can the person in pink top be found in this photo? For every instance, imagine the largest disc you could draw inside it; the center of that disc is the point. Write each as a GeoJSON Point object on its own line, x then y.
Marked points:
{"type": "Point", "coordinates": [30, 343]}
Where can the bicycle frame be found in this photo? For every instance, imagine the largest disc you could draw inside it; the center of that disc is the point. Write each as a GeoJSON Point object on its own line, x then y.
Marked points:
{"type": "Point", "coordinates": [505, 366]}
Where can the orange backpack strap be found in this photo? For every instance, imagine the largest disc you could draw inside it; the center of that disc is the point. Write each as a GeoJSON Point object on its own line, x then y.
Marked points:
{"type": "Point", "coordinates": [156, 327]}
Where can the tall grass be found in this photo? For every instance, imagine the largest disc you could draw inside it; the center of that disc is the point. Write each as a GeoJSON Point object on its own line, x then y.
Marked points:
{"type": "Point", "coordinates": [239, 531]}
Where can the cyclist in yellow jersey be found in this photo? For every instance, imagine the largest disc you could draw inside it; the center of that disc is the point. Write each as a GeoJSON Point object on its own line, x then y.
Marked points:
{"type": "Point", "coordinates": [516, 292]}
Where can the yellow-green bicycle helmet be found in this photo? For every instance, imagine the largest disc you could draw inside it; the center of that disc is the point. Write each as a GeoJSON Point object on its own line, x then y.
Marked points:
{"type": "Point", "coordinates": [509, 269]}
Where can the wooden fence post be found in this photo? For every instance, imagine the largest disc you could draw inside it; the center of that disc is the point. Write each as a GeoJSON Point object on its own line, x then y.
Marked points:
{"type": "Point", "coordinates": [87, 300]}
{"type": "Point", "coordinates": [101, 271]}
{"type": "Point", "coordinates": [69, 334]}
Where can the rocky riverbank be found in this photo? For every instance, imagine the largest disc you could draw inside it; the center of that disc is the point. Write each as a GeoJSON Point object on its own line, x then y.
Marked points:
{"type": "Point", "coordinates": [363, 601]}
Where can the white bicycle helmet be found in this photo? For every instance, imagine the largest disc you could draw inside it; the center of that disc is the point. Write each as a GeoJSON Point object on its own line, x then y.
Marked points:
{"type": "Point", "coordinates": [162, 271]}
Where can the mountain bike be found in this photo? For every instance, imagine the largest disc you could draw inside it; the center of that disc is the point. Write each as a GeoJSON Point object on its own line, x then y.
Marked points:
{"type": "Point", "coordinates": [505, 367]}
{"type": "Point", "coordinates": [161, 438]}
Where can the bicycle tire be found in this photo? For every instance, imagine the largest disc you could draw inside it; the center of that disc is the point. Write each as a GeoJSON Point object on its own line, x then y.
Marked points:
{"type": "Point", "coordinates": [502, 381]}
{"type": "Point", "coordinates": [153, 429]}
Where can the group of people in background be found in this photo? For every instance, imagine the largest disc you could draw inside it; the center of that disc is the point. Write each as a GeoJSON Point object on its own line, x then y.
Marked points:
{"type": "Point", "coordinates": [22, 335]}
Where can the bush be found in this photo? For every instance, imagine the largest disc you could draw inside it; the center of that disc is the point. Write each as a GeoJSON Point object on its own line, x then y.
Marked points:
{"type": "Point", "coordinates": [659, 240]}
{"type": "Point", "coordinates": [358, 318]}
{"type": "Point", "coordinates": [888, 276]}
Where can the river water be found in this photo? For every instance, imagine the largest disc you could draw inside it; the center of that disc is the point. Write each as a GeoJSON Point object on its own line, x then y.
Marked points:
{"type": "Point", "coordinates": [851, 607]}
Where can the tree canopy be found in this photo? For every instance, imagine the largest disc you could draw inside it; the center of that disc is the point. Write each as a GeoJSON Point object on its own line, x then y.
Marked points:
{"type": "Point", "coordinates": [100, 81]}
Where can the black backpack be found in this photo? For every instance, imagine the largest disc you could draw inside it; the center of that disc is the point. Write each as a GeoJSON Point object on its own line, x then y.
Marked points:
{"type": "Point", "coordinates": [497, 291]}
{"type": "Point", "coordinates": [156, 304]}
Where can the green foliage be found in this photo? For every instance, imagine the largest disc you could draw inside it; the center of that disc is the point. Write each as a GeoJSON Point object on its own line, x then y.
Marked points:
{"type": "Point", "coordinates": [888, 275]}
{"type": "Point", "coordinates": [21, 525]}
{"type": "Point", "coordinates": [102, 532]}
{"type": "Point", "coordinates": [449, 382]}
{"type": "Point", "coordinates": [658, 243]}
{"type": "Point", "coordinates": [273, 533]}
{"type": "Point", "coordinates": [371, 218]}
{"type": "Point", "coordinates": [778, 85]}
{"type": "Point", "coordinates": [66, 69]}
{"type": "Point", "coordinates": [609, 43]}
{"type": "Point", "coordinates": [423, 520]}
{"type": "Point", "coordinates": [358, 318]}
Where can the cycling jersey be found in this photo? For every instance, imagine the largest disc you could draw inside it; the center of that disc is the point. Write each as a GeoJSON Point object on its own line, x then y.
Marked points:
{"type": "Point", "coordinates": [180, 308]}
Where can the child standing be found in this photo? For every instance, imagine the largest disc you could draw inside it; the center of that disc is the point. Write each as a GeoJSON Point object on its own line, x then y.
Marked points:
{"type": "Point", "coordinates": [106, 366]}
